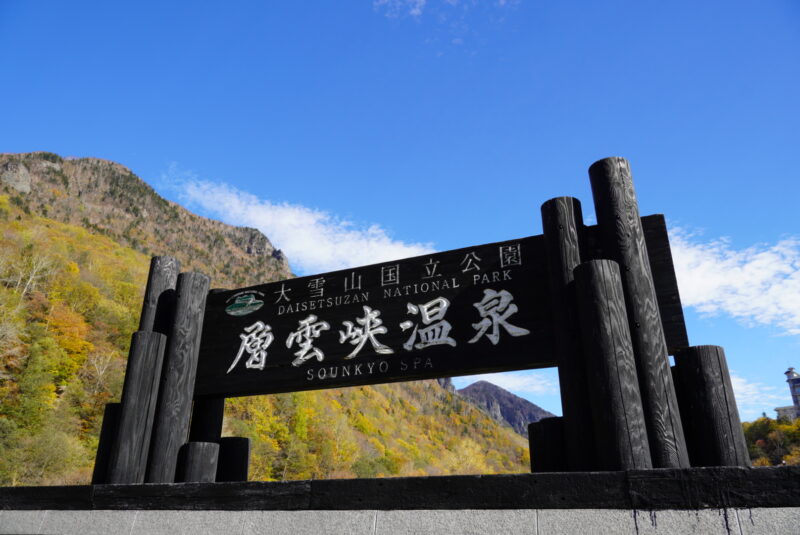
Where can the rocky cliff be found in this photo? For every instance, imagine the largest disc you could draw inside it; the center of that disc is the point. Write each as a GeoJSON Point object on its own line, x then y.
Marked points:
{"type": "Point", "coordinates": [107, 198]}
{"type": "Point", "coordinates": [504, 406]}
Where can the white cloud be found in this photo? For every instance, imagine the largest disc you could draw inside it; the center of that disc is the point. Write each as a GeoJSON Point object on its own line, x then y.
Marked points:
{"type": "Point", "coordinates": [415, 8]}
{"type": "Point", "coordinates": [519, 382]}
{"type": "Point", "coordinates": [756, 285]}
{"type": "Point", "coordinates": [753, 398]}
{"type": "Point", "coordinates": [396, 8]}
{"type": "Point", "coordinates": [314, 241]}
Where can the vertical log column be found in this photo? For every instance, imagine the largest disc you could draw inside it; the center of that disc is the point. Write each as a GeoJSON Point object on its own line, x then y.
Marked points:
{"type": "Point", "coordinates": [157, 310]}
{"type": "Point", "coordinates": [546, 443]}
{"type": "Point", "coordinates": [562, 222]}
{"type": "Point", "coordinates": [234, 459]}
{"type": "Point", "coordinates": [234, 452]}
{"type": "Point", "coordinates": [159, 296]}
{"type": "Point", "coordinates": [616, 406]}
{"type": "Point", "coordinates": [108, 435]}
{"type": "Point", "coordinates": [207, 414]}
{"type": "Point", "coordinates": [197, 462]}
{"type": "Point", "coordinates": [139, 396]}
{"type": "Point", "coordinates": [177, 379]}
{"type": "Point", "coordinates": [713, 431]}
{"type": "Point", "coordinates": [623, 241]}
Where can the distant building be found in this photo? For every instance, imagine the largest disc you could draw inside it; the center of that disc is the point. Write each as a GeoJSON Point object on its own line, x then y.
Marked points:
{"type": "Point", "coordinates": [792, 411]}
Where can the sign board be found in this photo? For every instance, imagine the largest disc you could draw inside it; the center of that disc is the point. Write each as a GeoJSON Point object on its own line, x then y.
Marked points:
{"type": "Point", "coordinates": [473, 310]}
{"type": "Point", "coordinates": [476, 309]}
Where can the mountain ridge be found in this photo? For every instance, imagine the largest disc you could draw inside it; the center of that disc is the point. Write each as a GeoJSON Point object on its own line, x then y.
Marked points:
{"type": "Point", "coordinates": [106, 197]}
{"type": "Point", "coordinates": [504, 406]}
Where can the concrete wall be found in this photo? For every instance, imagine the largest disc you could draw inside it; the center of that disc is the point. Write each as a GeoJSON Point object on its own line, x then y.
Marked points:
{"type": "Point", "coordinates": [439, 522]}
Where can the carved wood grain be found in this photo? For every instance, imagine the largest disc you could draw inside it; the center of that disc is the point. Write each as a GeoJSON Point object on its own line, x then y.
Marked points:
{"type": "Point", "coordinates": [620, 434]}
{"type": "Point", "coordinates": [178, 377]}
{"type": "Point", "coordinates": [714, 431]}
{"type": "Point", "coordinates": [623, 240]}
{"type": "Point", "coordinates": [139, 396]}
{"type": "Point", "coordinates": [159, 295]}
{"type": "Point", "coordinates": [197, 462]}
{"type": "Point", "coordinates": [562, 222]}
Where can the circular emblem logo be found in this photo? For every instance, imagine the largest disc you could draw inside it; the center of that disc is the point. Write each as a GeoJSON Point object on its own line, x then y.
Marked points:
{"type": "Point", "coordinates": [243, 305]}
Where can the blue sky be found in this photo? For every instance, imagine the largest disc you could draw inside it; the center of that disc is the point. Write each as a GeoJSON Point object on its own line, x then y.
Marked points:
{"type": "Point", "coordinates": [351, 132]}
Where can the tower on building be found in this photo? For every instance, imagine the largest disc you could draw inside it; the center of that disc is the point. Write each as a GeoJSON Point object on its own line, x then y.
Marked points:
{"type": "Point", "coordinates": [792, 411]}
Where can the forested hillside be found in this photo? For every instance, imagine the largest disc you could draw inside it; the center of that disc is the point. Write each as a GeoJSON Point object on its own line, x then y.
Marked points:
{"type": "Point", "coordinates": [70, 297]}
{"type": "Point", "coordinates": [773, 442]}
{"type": "Point", "coordinates": [106, 198]}
{"type": "Point", "coordinates": [68, 302]}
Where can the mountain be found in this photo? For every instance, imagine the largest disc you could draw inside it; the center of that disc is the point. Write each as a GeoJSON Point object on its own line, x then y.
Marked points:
{"type": "Point", "coordinates": [71, 287]}
{"type": "Point", "coordinates": [107, 198]}
{"type": "Point", "coordinates": [447, 384]}
{"type": "Point", "coordinates": [504, 406]}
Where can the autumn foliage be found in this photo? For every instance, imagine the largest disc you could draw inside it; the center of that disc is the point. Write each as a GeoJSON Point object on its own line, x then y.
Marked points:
{"type": "Point", "coordinates": [69, 302]}
{"type": "Point", "coordinates": [773, 442]}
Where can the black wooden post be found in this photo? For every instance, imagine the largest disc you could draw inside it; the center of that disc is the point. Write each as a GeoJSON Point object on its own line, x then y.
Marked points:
{"type": "Point", "coordinates": [197, 462]}
{"type": "Point", "coordinates": [623, 241]}
{"type": "Point", "coordinates": [207, 416]}
{"type": "Point", "coordinates": [177, 379]}
{"type": "Point", "coordinates": [562, 222]}
{"type": "Point", "coordinates": [714, 432]}
{"type": "Point", "coordinates": [234, 459]}
{"type": "Point", "coordinates": [159, 296]}
{"type": "Point", "coordinates": [139, 395]}
{"type": "Point", "coordinates": [546, 442]}
{"type": "Point", "coordinates": [207, 413]}
{"type": "Point", "coordinates": [683, 407]}
{"type": "Point", "coordinates": [108, 434]}
{"type": "Point", "coordinates": [665, 282]}
{"type": "Point", "coordinates": [156, 315]}
{"type": "Point", "coordinates": [619, 428]}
